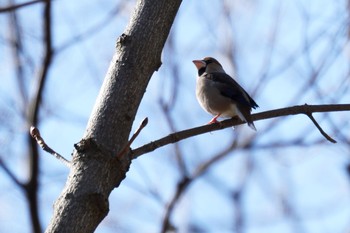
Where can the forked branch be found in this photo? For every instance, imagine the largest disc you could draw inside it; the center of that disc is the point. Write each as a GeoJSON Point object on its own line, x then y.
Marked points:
{"type": "Point", "coordinates": [137, 132]}
{"type": "Point", "coordinates": [181, 135]}
{"type": "Point", "coordinates": [35, 133]}
{"type": "Point", "coordinates": [320, 129]}
{"type": "Point", "coordinates": [299, 109]}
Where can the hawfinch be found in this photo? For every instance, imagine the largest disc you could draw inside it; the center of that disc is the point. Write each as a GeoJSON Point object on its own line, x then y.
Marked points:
{"type": "Point", "coordinates": [219, 94]}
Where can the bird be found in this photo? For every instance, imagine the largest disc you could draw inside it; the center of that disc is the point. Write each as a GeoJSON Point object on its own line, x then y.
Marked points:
{"type": "Point", "coordinates": [220, 95]}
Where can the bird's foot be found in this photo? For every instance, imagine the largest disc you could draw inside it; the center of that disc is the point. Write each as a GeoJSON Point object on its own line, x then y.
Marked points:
{"type": "Point", "coordinates": [212, 121]}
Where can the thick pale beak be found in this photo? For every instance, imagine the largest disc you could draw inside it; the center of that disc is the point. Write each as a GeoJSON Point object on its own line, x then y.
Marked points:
{"type": "Point", "coordinates": [199, 64]}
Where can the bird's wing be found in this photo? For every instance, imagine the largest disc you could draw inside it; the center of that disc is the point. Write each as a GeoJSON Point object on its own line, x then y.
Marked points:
{"type": "Point", "coordinates": [230, 88]}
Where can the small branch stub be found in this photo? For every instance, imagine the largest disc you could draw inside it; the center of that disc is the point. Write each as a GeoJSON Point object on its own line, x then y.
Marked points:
{"type": "Point", "coordinates": [35, 133]}
{"type": "Point", "coordinates": [320, 129]}
{"type": "Point", "coordinates": [122, 39]}
{"type": "Point", "coordinates": [137, 132]}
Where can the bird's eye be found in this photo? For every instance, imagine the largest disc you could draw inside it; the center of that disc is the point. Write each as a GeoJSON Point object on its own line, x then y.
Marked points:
{"type": "Point", "coordinates": [208, 61]}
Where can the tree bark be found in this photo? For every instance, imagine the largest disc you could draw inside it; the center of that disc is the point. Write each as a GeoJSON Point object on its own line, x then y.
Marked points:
{"type": "Point", "coordinates": [95, 170]}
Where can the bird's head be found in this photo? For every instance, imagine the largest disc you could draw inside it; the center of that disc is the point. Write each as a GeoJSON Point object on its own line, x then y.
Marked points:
{"type": "Point", "coordinates": [208, 65]}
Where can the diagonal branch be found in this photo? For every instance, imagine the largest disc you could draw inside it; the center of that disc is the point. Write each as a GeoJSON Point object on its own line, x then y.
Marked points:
{"type": "Point", "coordinates": [93, 30]}
{"type": "Point", "coordinates": [46, 63]}
{"type": "Point", "coordinates": [10, 174]}
{"type": "Point", "coordinates": [186, 181]}
{"type": "Point", "coordinates": [20, 5]}
{"type": "Point", "coordinates": [82, 206]}
{"type": "Point", "coordinates": [134, 136]}
{"type": "Point", "coordinates": [35, 133]}
{"type": "Point", "coordinates": [17, 47]}
{"type": "Point", "coordinates": [32, 185]}
{"type": "Point", "coordinates": [320, 129]}
{"type": "Point", "coordinates": [175, 137]}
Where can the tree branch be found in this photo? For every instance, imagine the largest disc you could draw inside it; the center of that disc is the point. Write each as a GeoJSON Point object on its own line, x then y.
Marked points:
{"type": "Point", "coordinates": [17, 6]}
{"type": "Point", "coordinates": [32, 185]}
{"type": "Point", "coordinates": [16, 41]}
{"type": "Point", "coordinates": [10, 174]}
{"type": "Point", "coordinates": [178, 136]}
{"type": "Point", "coordinates": [134, 136]}
{"type": "Point", "coordinates": [94, 29]}
{"type": "Point", "coordinates": [187, 181]}
{"type": "Point", "coordinates": [35, 133]}
{"type": "Point", "coordinates": [96, 172]}
{"type": "Point", "coordinates": [320, 129]}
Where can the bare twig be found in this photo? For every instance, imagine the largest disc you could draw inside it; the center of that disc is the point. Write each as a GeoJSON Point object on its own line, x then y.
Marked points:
{"type": "Point", "coordinates": [177, 150]}
{"type": "Point", "coordinates": [17, 6]}
{"type": "Point", "coordinates": [32, 186]}
{"type": "Point", "coordinates": [320, 129]}
{"type": "Point", "coordinates": [181, 188]}
{"type": "Point", "coordinates": [10, 174]}
{"type": "Point", "coordinates": [269, 54]}
{"type": "Point", "coordinates": [175, 137]}
{"type": "Point", "coordinates": [94, 29]}
{"type": "Point", "coordinates": [16, 41]}
{"type": "Point", "coordinates": [187, 181]}
{"type": "Point", "coordinates": [35, 133]}
{"type": "Point", "coordinates": [137, 132]}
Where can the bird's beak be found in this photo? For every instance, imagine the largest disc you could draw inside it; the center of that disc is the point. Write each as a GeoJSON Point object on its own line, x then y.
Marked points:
{"type": "Point", "coordinates": [199, 64]}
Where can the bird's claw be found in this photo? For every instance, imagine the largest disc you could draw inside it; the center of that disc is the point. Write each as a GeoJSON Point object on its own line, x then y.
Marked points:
{"type": "Point", "coordinates": [213, 121]}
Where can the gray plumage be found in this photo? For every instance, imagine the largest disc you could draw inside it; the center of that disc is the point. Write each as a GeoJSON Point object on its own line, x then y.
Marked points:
{"type": "Point", "coordinates": [221, 95]}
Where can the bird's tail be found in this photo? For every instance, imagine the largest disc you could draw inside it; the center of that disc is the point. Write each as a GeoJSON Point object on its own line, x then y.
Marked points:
{"type": "Point", "coordinates": [246, 118]}
{"type": "Point", "coordinates": [251, 125]}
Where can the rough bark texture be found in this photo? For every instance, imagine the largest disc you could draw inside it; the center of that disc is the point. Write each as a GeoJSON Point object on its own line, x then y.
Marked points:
{"type": "Point", "coordinates": [95, 170]}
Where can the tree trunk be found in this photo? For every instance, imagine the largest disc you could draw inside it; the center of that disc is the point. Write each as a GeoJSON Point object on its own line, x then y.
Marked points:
{"type": "Point", "coordinates": [95, 170]}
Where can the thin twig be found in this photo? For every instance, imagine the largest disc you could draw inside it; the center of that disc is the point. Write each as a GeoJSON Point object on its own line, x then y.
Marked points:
{"type": "Point", "coordinates": [137, 132]}
{"type": "Point", "coordinates": [186, 181]}
{"type": "Point", "coordinates": [34, 132]}
{"type": "Point", "coordinates": [41, 77]}
{"type": "Point", "coordinates": [320, 129]}
{"type": "Point", "coordinates": [179, 156]}
{"type": "Point", "coordinates": [178, 136]}
{"type": "Point", "coordinates": [17, 46]}
{"type": "Point", "coordinates": [17, 6]}
{"type": "Point", "coordinates": [93, 30]}
{"type": "Point", "coordinates": [181, 188]}
{"type": "Point", "coordinates": [11, 174]}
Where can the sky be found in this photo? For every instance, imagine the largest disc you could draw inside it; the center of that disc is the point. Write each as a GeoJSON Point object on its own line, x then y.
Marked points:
{"type": "Point", "coordinates": [272, 47]}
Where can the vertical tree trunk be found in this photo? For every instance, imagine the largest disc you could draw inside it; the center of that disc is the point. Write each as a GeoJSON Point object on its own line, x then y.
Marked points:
{"type": "Point", "coordinates": [95, 170]}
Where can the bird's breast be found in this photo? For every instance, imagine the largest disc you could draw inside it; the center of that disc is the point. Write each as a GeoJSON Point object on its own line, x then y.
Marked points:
{"type": "Point", "coordinates": [211, 99]}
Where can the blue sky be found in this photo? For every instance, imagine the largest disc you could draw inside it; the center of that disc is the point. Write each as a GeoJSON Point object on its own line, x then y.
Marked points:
{"type": "Point", "coordinates": [272, 39]}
